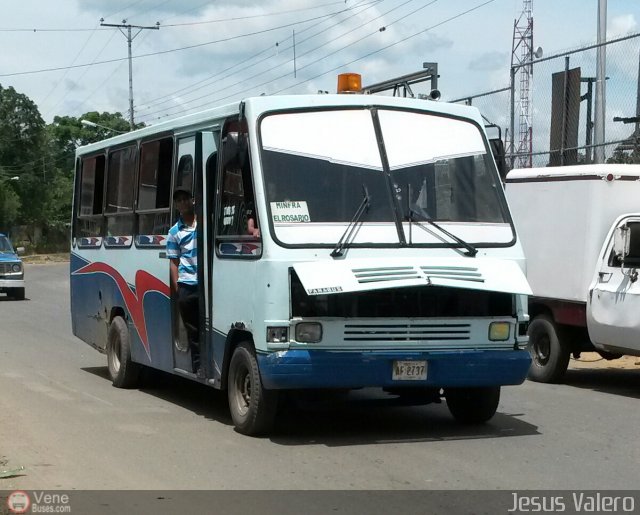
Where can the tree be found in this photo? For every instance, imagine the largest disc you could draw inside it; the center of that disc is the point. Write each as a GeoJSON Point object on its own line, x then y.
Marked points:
{"type": "Point", "coordinates": [66, 133]}
{"type": "Point", "coordinates": [42, 157]}
{"type": "Point", "coordinates": [621, 156]}
{"type": "Point", "coordinates": [22, 136]}
{"type": "Point", "coordinates": [22, 131]}
{"type": "Point", "coordinates": [9, 206]}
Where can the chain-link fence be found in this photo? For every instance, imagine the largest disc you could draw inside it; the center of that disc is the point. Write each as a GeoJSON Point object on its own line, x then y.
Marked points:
{"type": "Point", "coordinates": [562, 102]}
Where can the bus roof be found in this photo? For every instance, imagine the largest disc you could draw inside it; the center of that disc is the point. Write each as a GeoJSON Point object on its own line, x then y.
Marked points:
{"type": "Point", "coordinates": [258, 105]}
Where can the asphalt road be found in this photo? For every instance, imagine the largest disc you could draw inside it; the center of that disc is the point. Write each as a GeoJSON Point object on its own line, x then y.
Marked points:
{"type": "Point", "coordinates": [63, 421]}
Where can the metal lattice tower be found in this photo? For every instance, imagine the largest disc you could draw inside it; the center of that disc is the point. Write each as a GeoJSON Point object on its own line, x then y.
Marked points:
{"type": "Point", "coordinates": [521, 53]}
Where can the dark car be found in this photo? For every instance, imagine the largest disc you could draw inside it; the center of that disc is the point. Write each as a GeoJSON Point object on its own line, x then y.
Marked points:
{"type": "Point", "coordinates": [11, 269]}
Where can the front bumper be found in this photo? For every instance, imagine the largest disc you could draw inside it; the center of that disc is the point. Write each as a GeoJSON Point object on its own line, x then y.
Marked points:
{"type": "Point", "coordinates": [9, 284]}
{"type": "Point", "coordinates": [294, 369]}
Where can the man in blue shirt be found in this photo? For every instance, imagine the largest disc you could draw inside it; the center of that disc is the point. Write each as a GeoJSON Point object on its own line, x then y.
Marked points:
{"type": "Point", "coordinates": [183, 253]}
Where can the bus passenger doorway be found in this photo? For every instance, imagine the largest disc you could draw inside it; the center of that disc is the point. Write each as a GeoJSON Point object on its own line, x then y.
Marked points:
{"type": "Point", "coordinates": [182, 347]}
{"type": "Point", "coordinates": [195, 171]}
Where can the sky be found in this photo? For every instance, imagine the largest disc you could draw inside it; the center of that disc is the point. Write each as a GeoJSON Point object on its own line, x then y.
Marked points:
{"type": "Point", "coordinates": [212, 53]}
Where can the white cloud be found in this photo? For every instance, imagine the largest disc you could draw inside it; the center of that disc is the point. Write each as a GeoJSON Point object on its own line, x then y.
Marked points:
{"type": "Point", "coordinates": [621, 25]}
{"type": "Point", "coordinates": [490, 61]}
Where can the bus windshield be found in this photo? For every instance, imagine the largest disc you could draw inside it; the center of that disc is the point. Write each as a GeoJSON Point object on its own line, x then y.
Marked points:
{"type": "Point", "coordinates": [317, 164]}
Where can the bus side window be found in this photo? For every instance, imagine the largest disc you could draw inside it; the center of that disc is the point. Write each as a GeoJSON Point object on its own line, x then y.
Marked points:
{"type": "Point", "coordinates": [119, 206]}
{"type": "Point", "coordinates": [237, 204]}
{"type": "Point", "coordinates": [184, 172]}
{"type": "Point", "coordinates": [154, 185]}
{"type": "Point", "coordinates": [88, 227]}
{"type": "Point", "coordinates": [184, 177]}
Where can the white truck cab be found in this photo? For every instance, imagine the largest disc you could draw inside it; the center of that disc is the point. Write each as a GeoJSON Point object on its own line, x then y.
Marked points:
{"type": "Point", "coordinates": [613, 303]}
{"type": "Point", "coordinates": [571, 221]}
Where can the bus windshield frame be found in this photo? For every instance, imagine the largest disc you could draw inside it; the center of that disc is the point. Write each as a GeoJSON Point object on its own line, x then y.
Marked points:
{"type": "Point", "coordinates": [409, 160]}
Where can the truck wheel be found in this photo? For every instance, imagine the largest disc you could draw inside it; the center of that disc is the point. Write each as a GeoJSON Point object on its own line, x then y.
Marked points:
{"type": "Point", "coordinates": [124, 373]}
{"type": "Point", "coordinates": [609, 355]}
{"type": "Point", "coordinates": [473, 405]}
{"type": "Point", "coordinates": [253, 408]}
{"type": "Point", "coordinates": [17, 293]}
{"type": "Point", "coordinates": [549, 353]}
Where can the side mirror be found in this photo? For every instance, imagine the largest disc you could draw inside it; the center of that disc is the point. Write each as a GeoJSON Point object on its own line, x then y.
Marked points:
{"type": "Point", "coordinates": [20, 251]}
{"type": "Point", "coordinates": [621, 242]}
{"type": "Point", "coordinates": [497, 149]}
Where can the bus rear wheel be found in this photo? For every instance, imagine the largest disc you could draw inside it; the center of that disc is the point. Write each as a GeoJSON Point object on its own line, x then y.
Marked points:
{"type": "Point", "coordinates": [253, 408]}
{"type": "Point", "coordinates": [124, 373]}
{"type": "Point", "coordinates": [473, 405]}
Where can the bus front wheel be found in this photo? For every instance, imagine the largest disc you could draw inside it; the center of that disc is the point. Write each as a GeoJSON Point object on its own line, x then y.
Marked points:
{"type": "Point", "coordinates": [124, 373]}
{"type": "Point", "coordinates": [253, 408]}
{"type": "Point", "coordinates": [473, 405]}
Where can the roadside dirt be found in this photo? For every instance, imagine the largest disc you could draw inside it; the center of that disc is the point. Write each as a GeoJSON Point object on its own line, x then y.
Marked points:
{"type": "Point", "coordinates": [594, 360]}
{"type": "Point", "coordinates": [39, 259]}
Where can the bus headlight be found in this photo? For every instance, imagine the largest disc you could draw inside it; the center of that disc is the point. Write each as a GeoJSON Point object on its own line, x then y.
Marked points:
{"type": "Point", "coordinates": [309, 332]}
{"type": "Point", "coordinates": [499, 331]}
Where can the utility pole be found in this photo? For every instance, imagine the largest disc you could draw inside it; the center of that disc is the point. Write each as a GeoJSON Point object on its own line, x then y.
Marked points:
{"type": "Point", "coordinates": [601, 67]}
{"type": "Point", "coordinates": [588, 96]}
{"type": "Point", "coordinates": [120, 27]}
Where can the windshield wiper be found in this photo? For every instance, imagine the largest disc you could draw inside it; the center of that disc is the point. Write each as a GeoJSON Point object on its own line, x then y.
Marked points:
{"type": "Point", "coordinates": [346, 236]}
{"type": "Point", "coordinates": [424, 217]}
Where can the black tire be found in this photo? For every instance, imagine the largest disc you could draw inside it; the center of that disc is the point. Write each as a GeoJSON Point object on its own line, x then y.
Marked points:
{"type": "Point", "coordinates": [17, 293]}
{"type": "Point", "coordinates": [473, 405]}
{"type": "Point", "coordinates": [253, 408]}
{"type": "Point", "coordinates": [549, 351]}
{"type": "Point", "coordinates": [609, 356]}
{"type": "Point", "coordinates": [124, 373]}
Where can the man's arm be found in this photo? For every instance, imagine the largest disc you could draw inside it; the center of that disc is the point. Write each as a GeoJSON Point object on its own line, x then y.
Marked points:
{"type": "Point", "coordinates": [173, 253]}
{"type": "Point", "coordinates": [173, 269]}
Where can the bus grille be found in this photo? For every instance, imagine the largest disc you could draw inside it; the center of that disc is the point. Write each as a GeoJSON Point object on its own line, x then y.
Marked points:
{"type": "Point", "coordinates": [5, 268]}
{"type": "Point", "coordinates": [374, 275]}
{"type": "Point", "coordinates": [460, 273]}
{"type": "Point", "coordinates": [406, 332]}
{"type": "Point", "coordinates": [399, 273]}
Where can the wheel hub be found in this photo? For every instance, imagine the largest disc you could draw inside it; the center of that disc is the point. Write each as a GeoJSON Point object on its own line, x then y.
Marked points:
{"type": "Point", "coordinates": [542, 350]}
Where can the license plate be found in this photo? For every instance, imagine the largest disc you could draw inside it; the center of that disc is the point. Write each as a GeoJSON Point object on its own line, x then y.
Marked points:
{"type": "Point", "coordinates": [409, 371]}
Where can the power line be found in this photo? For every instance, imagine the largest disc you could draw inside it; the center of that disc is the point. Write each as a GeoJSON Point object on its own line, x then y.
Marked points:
{"type": "Point", "coordinates": [130, 38]}
{"type": "Point", "coordinates": [169, 96]}
{"type": "Point", "coordinates": [162, 52]}
{"type": "Point", "coordinates": [108, 77]}
{"type": "Point", "coordinates": [259, 74]}
{"type": "Point", "coordinates": [305, 53]}
{"type": "Point", "coordinates": [66, 73]}
{"type": "Point", "coordinates": [392, 44]}
{"type": "Point", "coordinates": [47, 30]}
{"type": "Point", "coordinates": [185, 24]}
{"type": "Point", "coordinates": [238, 18]}
{"type": "Point", "coordinates": [354, 60]}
